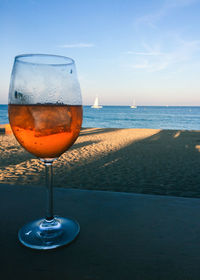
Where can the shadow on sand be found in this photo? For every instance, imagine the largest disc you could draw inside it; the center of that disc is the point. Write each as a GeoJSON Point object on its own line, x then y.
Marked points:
{"type": "Point", "coordinates": [90, 131]}
{"type": "Point", "coordinates": [166, 163]}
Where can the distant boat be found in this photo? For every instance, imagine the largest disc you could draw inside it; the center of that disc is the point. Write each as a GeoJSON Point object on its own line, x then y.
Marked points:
{"type": "Point", "coordinates": [133, 106]}
{"type": "Point", "coordinates": [96, 104]}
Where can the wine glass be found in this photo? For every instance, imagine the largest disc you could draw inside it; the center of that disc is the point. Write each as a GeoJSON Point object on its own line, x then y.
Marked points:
{"type": "Point", "coordinates": [45, 114]}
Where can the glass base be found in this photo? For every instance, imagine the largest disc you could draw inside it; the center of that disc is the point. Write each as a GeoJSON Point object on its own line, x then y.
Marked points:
{"type": "Point", "coordinates": [43, 234]}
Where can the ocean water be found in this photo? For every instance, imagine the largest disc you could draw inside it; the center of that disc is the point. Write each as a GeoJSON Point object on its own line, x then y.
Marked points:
{"type": "Point", "coordinates": [142, 117]}
{"type": "Point", "coordinates": [3, 114]}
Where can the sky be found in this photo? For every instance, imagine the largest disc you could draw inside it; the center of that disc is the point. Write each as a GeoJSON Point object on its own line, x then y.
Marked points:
{"type": "Point", "coordinates": [147, 50]}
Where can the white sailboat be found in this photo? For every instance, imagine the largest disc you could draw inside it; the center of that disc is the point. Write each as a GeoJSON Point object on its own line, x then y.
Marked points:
{"type": "Point", "coordinates": [133, 106]}
{"type": "Point", "coordinates": [96, 104]}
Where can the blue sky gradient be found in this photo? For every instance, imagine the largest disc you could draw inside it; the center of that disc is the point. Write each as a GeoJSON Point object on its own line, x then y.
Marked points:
{"type": "Point", "coordinates": [143, 49]}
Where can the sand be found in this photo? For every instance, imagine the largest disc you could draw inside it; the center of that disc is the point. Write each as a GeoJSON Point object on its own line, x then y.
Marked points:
{"type": "Point", "coordinates": [152, 161]}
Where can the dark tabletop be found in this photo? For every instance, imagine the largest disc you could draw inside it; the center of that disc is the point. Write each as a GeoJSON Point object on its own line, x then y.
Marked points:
{"type": "Point", "coordinates": [123, 236]}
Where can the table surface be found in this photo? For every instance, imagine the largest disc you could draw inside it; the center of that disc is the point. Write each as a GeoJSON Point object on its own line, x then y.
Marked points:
{"type": "Point", "coordinates": [123, 236]}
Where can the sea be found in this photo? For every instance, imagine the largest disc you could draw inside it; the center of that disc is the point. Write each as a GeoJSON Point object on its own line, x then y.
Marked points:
{"type": "Point", "coordinates": [159, 117]}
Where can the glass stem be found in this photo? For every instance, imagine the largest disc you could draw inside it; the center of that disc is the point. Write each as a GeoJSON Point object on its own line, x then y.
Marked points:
{"type": "Point", "coordinates": [49, 185]}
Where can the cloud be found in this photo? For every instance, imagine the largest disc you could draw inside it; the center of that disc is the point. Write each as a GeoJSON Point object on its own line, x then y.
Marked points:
{"type": "Point", "coordinates": [170, 50]}
{"type": "Point", "coordinates": [154, 61]}
{"type": "Point", "coordinates": [168, 5]}
{"type": "Point", "coordinates": [179, 3]}
{"type": "Point", "coordinates": [144, 53]}
{"type": "Point", "coordinates": [144, 65]}
{"type": "Point", "coordinates": [151, 66]}
{"type": "Point", "coordinates": [77, 45]}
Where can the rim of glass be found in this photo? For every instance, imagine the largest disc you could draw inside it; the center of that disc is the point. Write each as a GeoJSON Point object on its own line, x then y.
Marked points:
{"type": "Point", "coordinates": [64, 59]}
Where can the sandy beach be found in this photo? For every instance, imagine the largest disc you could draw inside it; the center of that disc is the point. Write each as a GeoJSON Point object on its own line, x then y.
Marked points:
{"type": "Point", "coordinates": [152, 161]}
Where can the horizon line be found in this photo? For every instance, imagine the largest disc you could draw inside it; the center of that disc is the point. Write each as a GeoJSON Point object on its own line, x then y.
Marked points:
{"type": "Point", "coordinates": [104, 105]}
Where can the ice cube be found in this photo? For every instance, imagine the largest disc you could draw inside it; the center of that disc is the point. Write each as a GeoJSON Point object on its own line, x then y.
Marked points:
{"type": "Point", "coordinates": [51, 119]}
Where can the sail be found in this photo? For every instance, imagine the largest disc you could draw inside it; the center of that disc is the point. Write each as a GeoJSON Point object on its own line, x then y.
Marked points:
{"type": "Point", "coordinates": [96, 104]}
{"type": "Point", "coordinates": [133, 106]}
